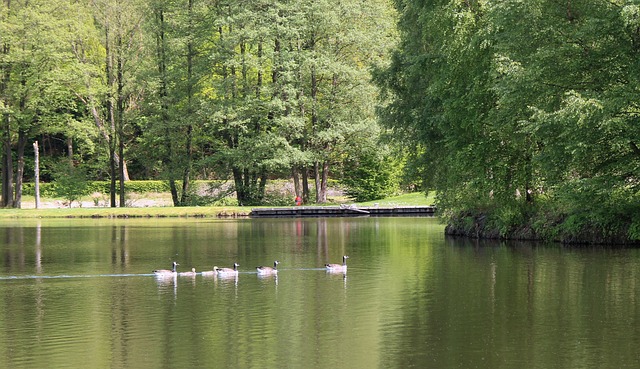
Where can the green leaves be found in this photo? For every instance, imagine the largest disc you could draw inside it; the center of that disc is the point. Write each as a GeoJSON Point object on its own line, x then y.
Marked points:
{"type": "Point", "coordinates": [514, 100]}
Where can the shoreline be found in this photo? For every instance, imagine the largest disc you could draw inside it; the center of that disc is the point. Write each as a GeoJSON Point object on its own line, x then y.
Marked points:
{"type": "Point", "coordinates": [478, 226]}
{"type": "Point", "coordinates": [128, 212]}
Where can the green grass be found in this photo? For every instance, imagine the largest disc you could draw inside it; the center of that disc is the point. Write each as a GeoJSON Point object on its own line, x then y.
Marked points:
{"type": "Point", "coordinates": [412, 199]}
{"type": "Point", "coordinates": [146, 212]}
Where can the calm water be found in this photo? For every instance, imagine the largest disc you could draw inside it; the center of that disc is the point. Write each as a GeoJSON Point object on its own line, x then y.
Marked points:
{"type": "Point", "coordinates": [79, 293]}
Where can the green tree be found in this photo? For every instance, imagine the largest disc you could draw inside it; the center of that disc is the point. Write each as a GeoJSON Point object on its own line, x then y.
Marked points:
{"type": "Point", "coordinates": [70, 181]}
{"type": "Point", "coordinates": [512, 103]}
{"type": "Point", "coordinates": [371, 174]}
{"type": "Point", "coordinates": [113, 98]}
{"type": "Point", "coordinates": [237, 89]}
{"type": "Point", "coordinates": [248, 98]}
{"type": "Point", "coordinates": [36, 65]}
{"type": "Point", "coordinates": [292, 86]}
{"type": "Point", "coordinates": [180, 33]}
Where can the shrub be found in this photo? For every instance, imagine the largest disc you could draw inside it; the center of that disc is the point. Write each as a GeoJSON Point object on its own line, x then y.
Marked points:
{"type": "Point", "coordinates": [70, 181]}
{"type": "Point", "coordinates": [371, 176]}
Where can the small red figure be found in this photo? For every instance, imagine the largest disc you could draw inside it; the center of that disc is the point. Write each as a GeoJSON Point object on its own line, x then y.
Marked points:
{"type": "Point", "coordinates": [298, 201]}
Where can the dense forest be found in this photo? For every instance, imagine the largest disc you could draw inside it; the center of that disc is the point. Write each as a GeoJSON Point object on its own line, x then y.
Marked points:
{"type": "Point", "coordinates": [178, 90]}
{"type": "Point", "coordinates": [524, 116]}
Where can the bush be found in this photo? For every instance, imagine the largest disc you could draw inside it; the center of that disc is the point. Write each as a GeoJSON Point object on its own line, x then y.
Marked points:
{"type": "Point", "coordinates": [371, 176]}
{"type": "Point", "coordinates": [70, 181]}
{"type": "Point", "coordinates": [49, 189]}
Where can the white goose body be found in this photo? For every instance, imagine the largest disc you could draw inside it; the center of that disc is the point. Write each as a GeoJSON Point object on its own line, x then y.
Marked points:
{"type": "Point", "coordinates": [210, 273]}
{"type": "Point", "coordinates": [167, 272]}
{"type": "Point", "coordinates": [192, 273]}
{"type": "Point", "coordinates": [265, 270]}
{"type": "Point", "coordinates": [227, 271]}
{"type": "Point", "coordinates": [338, 267]}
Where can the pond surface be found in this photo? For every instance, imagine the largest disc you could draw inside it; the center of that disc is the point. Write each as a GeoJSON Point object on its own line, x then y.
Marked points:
{"type": "Point", "coordinates": [80, 293]}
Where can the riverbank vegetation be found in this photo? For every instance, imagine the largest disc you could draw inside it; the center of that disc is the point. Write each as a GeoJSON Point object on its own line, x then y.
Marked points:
{"type": "Point", "coordinates": [523, 116]}
{"type": "Point", "coordinates": [149, 205]}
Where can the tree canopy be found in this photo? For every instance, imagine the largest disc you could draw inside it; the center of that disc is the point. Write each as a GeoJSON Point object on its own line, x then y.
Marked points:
{"type": "Point", "coordinates": [523, 110]}
{"type": "Point", "coordinates": [184, 89]}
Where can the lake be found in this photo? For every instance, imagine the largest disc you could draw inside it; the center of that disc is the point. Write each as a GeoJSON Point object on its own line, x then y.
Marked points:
{"type": "Point", "coordinates": [78, 293]}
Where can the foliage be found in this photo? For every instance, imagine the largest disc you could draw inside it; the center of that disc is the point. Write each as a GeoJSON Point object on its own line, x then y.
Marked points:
{"type": "Point", "coordinates": [522, 110]}
{"type": "Point", "coordinates": [180, 91]}
{"type": "Point", "coordinates": [70, 181]}
{"type": "Point", "coordinates": [405, 199]}
{"type": "Point", "coordinates": [372, 175]}
{"type": "Point", "coordinates": [140, 187]}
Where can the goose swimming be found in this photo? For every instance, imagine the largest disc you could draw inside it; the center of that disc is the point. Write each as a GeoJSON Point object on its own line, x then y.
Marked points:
{"type": "Point", "coordinates": [338, 267]}
{"type": "Point", "coordinates": [210, 273]}
{"type": "Point", "coordinates": [192, 273]}
{"type": "Point", "coordinates": [167, 271]}
{"type": "Point", "coordinates": [227, 271]}
{"type": "Point", "coordinates": [264, 270]}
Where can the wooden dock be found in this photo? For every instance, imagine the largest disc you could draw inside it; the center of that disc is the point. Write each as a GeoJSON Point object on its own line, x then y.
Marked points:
{"type": "Point", "coordinates": [342, 211]}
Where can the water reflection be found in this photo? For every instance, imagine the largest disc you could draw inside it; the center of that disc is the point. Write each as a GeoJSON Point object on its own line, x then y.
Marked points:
{"type": "Point", "coordinates": [338, 275]}
{"type": "Point", "coordinates": [119, 248]}
{"type": "Point", "coordinates": [83, 293]}
{"type": "Point", "coordinates": [167, 282]}
{"type": "Point", "coordinates": [226, 280]}
{"type": "Point", "coordinates": [268, 278]}
{"type": "Point", "coordinates": [38, 258]}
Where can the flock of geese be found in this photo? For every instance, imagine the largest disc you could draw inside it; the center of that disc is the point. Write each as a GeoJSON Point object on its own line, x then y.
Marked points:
{"type": "Point", "coordinates": [223, 272]}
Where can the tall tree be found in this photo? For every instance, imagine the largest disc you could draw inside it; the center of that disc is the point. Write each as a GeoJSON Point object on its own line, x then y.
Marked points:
{"type": "Point", "coordinates": [246, 106]}
{"type": "Point", "coordinates": [513, 102]}
{"type": "Point", "coordinates": [317, 55]}
{"type": "Point", "coordinates": [180, 31]}
{"type": "Point", "coordinates": [36, 65]}
{"type": "Point", "coordinates": [120, 24]}
{"type": "Point", "coordinates": [343, 41]}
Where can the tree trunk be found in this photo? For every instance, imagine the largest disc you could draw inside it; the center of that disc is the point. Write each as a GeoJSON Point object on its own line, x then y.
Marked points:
{"type": "Point", "coordinates": [186, 174]}
{"type": "Point", "coordinates": [112, 173]}
{"type": "Point", "coordinates": [295, 173]}
{"type": "Point", "coordinates": [316, 178]}
{"type": "Point", "coordinates": [122, 176]}
{"type": "Point", "coordinates": [119, 128]}
{"type": "Point", "coordinates": [324, 182]}
{"type": "Point", "coordinates": [305, 185]}
{"type": "Point", "coordinates": [262, 186]}
{"type": "Point", "coordinates": [98, 120]}
{"type": "Point", "coordinates": [110, 134]}
{"type": "Point", "coordinates": [70, 148]}
{"type": "Point", "coordinates": [169, 155]}
{"type": "Point", "coordinates": [174, 192]}
{"type": "Point", "coordinates": [22, 142]}
{"type": "Point", "coordinates": [241, 195]}
{"type": "Point", "coordinates": [7, 166]}
{"type": "Point", "coordinates": [187, 170]}
{"type": "Point", "coordinates": [36, 178]}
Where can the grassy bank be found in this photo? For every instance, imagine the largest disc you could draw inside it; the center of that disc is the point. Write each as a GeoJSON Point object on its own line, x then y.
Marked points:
{"type": "Point", "coordinates": [413, 199]}
{"type": "Point", "coordinates": [148, 212]}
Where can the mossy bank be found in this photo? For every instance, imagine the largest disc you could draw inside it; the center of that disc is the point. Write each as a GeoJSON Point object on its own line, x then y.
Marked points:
{"type": "Point", "coordinates": [564, 228]}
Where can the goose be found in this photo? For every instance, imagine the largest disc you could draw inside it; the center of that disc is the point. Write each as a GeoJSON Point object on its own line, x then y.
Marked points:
{"type": "Point", "coordinates": [264, 270]}
{"type": "Point", "coordinates": [192, 273]}
{"type": "Point", "coordinates": [227, 271]}
{"type": "Point", "coordinates": [210, 273]}
{"type": "Point", "coordinates": [167, 271]}
{"type": "Point", "coordinates": [338, 267]}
